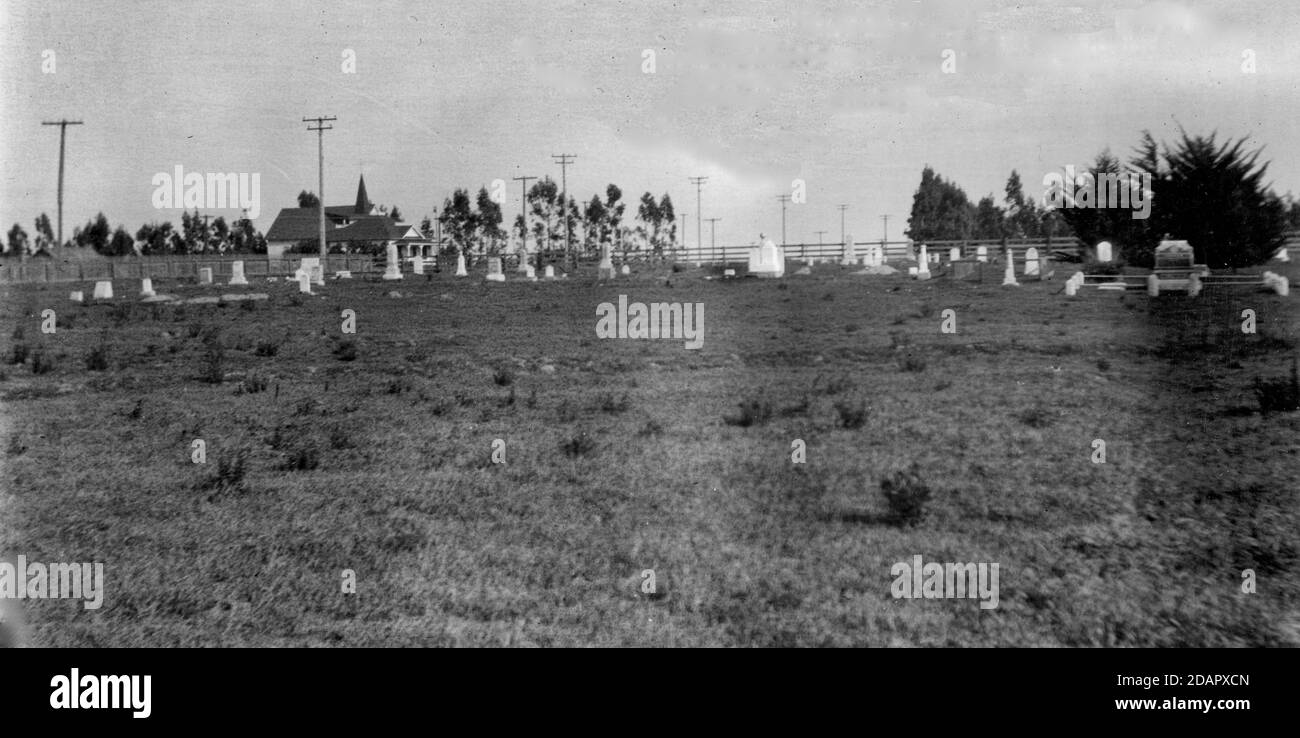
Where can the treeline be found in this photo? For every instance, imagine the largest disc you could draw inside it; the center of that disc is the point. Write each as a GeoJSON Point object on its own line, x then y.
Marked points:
{"type": "Point", "coordinates": [474, 225]}
{"type": "Point", "coordinates": [197, 235]}
{"type": "Point", "coordinates": [1212, 195]}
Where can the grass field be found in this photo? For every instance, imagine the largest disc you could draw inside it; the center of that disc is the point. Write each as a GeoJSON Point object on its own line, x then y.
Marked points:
{"type": "Point", "coordinates": [373, 452]}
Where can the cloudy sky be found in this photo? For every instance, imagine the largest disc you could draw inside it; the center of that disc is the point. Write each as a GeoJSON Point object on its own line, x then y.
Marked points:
{"type": "Point", "coordinates": [849, 97]}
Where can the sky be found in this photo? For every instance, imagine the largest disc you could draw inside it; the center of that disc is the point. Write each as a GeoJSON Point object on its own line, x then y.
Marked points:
{"type": "Point", "coordinates": [851, 98]}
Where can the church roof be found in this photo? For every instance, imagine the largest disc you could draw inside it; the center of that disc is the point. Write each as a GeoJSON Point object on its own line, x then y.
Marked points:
{"type": "Point", "coordinates": [302, 224]}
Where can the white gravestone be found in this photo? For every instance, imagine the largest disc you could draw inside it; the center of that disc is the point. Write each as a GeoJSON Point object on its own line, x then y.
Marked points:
{"type": "Point", "coordinates": [1282, 255]}
{"type": "Point", "coordinates": [1009, 276]}
{"type": "Point", "coordinates": [923, 268]}
{"type": "Point", "coordinates": [103, 290]}
{"type": "Point", "coordinates": [77, 296]}
{"type": "Point", "coordinates": [146, 288]}
{"type": "Point", "coordinates": [311, 265]}
{"type": "Point", "coordinates": [954, 254]}
{"type": "Point", "coordinates": [1073, 284]}
{"type": "Point", "coordinates": [417, 264]}
{"type": "Point", "coordinates": [1031, 262]}
{"type": "Point", "coordinates": [982, 253]}
{"type": "Point", "coordinates": [766, 260]}
{"type": "Point", "coordinates": [237, 278]}
{"type": "Point", "coordinates": [304, 281]}
{"type": "Point", "coordinates": [494, 270]}
{"type": "Point", "coordinates": [1153, 285]}
{"type": "Point", "coordinates": [392, 267]}
{"type": "Point", "coordinates": [625, 270]}
{"type": "Point", "coordinates": [530, 272]}
{"type": "Point", "coordinates": [849, 256]}
{"type": "Point", "coordinates": [606, 268]}
{"type": "Point", "coordinates": [460, 265]}
{"type": "Point", "coordinates": [205, 275]}
{"type": "Point", "coordinates": [550, 272]}
{"type": "Point", "coordinates": [1103, 251]}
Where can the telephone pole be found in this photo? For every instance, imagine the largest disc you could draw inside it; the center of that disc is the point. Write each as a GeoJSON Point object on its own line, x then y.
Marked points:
{"type": "Point", "coordinates": [713, 236]}
{"type": "Point", "coordinates": [699, 229]}
{"type": "Point", "coordinates": [320, 194]}
{"type": "Point", "coordinates": [885, 236]}
{"type": "Point", "coordinates": [523, 207]}
{"type": "Point", "coordinates": [63, 135]}
{"type": "Point", "coordinates": [784, 199]}
{"type": "Point", "coordinates": [842, 209]}
{"type": "Point", "coordinates": [819, 243]}
{"type": "Point", "coordinates": [564, 160]}
{"type": "Point", "coordinates": [684, 214]}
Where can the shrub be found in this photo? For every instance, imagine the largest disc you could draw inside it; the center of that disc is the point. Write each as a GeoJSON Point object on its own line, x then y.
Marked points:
{"type": "Point", "coordinates": [1279, 395]}
{"type": "Point", "coordinates": [305, 457]}
{"type": "Point", "coordinates": [581, 444]}
{"type": "Point", "coordinates": [41, 364]}
{"type": "Point", "coordinates": [346, 350]}
{"type": "Point", "coordinates": [852, 415]}
{"type": "Point", "coordinates": [752, 412]}
{"type": "Point", "coordinates": [651, 428]}
{"type": "Point", "coordinates": [912, 363]}
{"type": "Point", "coordinates": [503, 377]}
{"type": "Point", "coordinates": [229, 477]}
{"type": "Point", "coordinates": [609, 404]}
{"type": "Point", "coordinates": [19, 353]}
{"type": "Point", "coordinates": [252, 384]}
{"type": "Point", "coordinates": [97, 359]}
{"type": "Point", "coordinates": [213, 359]}
{"type": "Point", "coordinates": [1037, 417]}
{"type": "Point", "coordinates": [266, 348]}
{"type": "Point", "coordinates": [906, 496]}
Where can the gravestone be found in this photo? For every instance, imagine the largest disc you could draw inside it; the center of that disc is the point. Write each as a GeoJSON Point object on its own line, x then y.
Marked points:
{"type": "Point", "coordinates": [311, 265]}
{"type": "Point", "coordinates": [625, 270]}
{"type": "Point", "coordinates": [728, 272]}
{"type": "Point", "coordinates": [103, 290]}
{"type": "Point", "coordinates": [1073, 284]}
{"type": "Point", "coordinates": [923, 268]}
{"type": "Point", "coordinates": [237, 278]}
{"type": "Point", "coordinates": [494, 270]}
{"type": "Point", "coordinates": [417, 264]}
{"type": "Point", "coordinates": [1277, 283]}
{"type": "Point", "coordinates": [1153, 285]}
{"type": "Point", "coordinates": [392, 267]}
{"type": "Point", "coordinates": [345, 274]}
{"type": "Point", "coordinates": [460, 265]}
{"type": "Point", "coordinates": [1103, 251]}
{"type": "Point", "coordinates": [1031, 262]}
{"type": "Point", "coordinates": [550, 272]}
{"type": "Point", "coordinates": [962, 269]}
{"type": "Point", "coordinates": [304, 281]}
{"type": "Point", "coordinates": [606, 268]}
{"type": "Point", "coordinates": [77, 296]}
{"type": "Point", "coordinates": [530, 272]}
{"type": "Point", "coordinates": [982, 253]}
{"type": "Point", "coordinates": [205, 275]}
{"type": "Point", "coordinates": [766, 260]}
{"type": "Point", "coordinates": [913, 271]}
{"type": "Point", "coordinates": [146, 287]}
{"type": "Point", "coordinates": [1282, 255]}
{"type": "Point", "coordinates": [849, 254]}
{"type": "Point", "coordinates": [954, 254]}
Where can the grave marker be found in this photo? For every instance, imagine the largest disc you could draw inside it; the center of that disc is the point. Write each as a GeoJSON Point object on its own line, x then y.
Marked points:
{"type": "Point", "coordinates": [1104, 251]}
{"type": "Point", "coordinates": [237, 278]}
{"type": "Point", "coordinates": [1031, 262]}
{"type": "Point", "coordinates": [494, 270]}
{"type": "Point", "coordinates": [146, 288]}
{"type": "Point", "coordinates": [460, 265]}
{"type": "Point", "coordinates": [982, 253]}
{"type": "Point", "coordinates": [103, 290]}
{"type": "Point", "coordinates": [205, 275]}
{"type": "Point", "coordinates": [392, 267]}
{"type": "Point", "coordinates": [606, 268]}
{"type": "Point", "coordinates": [923, 270]}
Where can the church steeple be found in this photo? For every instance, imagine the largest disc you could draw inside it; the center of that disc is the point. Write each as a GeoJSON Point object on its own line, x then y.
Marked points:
{"type": "Point", "coordinates": [363, 203]}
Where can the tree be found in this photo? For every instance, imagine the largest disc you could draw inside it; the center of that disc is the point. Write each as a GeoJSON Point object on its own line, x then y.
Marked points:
{"type": "Point", "coordinates": [308, 200]}
{"type": "Point", "coordinates": [154, 239]}
{"type": "Point", "coordinates": [488, 221]}
{"type": "Point", "coordinates": [940, 210]}
{"type": "Point", "coordinates": [120, 244]}
{"type": "Point", "coordinates": [44, 232]}
{"type": "Point", "coordinates": [595, 227]}
{"type": "Point", "coordinates": [17, 241]}
{"type": "Point", "coordinates": [669, 218]}
{"type": "Point", "coordinates": [989, 220]}
{"type": "Point", "coordinates": [96, 234]}
{"type": "Point", "coordinates": [544, 206]}
{"type": "Point", "coordinates": [652, 217]}
{"type": "Point", "coordinates": [458, 219]}
{"type": "Point", "coordinates": [1023, 216]}
{"type": "Point", "coordinates": [395, 214]}
{"type": "Point", "coordinates": [614, 211]}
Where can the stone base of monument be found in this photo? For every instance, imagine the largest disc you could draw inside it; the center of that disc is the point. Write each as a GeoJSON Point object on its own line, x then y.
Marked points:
{"type": "Point", "coordinates": [159, 298]}
{"type": "Point", "coordinates": [77, 296]}
{"type": "Point", "coordinates": [343, 275]}
{"type": "Point", "coordinates": [205, 275]}
{"type": "Point", "coordinates": [530, 273]}
{"type": "Point", "coordinates": [103, 290]}
{"type": "Point", "coordinates": [146, 287]}
{"type": "Point", "coordinates": [392, 272]}
{"type": "Point", "coordinates": [605, 272]}
{"type": "Point", "coordinates": [549, 273]}
{"type": "Point", "coordinates": [496, 277]}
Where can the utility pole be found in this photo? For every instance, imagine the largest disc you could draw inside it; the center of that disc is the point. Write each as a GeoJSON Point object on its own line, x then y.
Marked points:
{"type": "Point", "coordinates": [842, 209]}
{"type": "Point", "coordinates": [713, 236]}
{"type": "Point", "coordinates": [819, 243]}
{"type": "Point", "coordinates": [523, 207]}
{"type": "Point", "coordinates": [784, 199]}
{"type": "Point", "coordinates": [63, 135]}
{"type": "Point", "coordinates": [699, 229]}
{"type": "Point", "coordinates": [320, 194]}
{"type": "Point", "coordinates": [564, 160]}
{"type": "Point", "coordinates": [684, 214]}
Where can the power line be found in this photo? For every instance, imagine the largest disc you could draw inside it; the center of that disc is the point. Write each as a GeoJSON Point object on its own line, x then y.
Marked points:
{"type": "Point", "coordinates": [564, 160]}
{"type": "Point", "coordinates": [784, 199]}
{"type": "Point", "coordinates": [699, 230]}
{"type": "Point", "coordinates": [320, 129]}
{"type": "Point", "coordinates": [63, 135]}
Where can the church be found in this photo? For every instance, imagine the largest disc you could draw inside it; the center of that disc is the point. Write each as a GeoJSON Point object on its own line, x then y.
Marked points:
{"type": "Point", "coordinates": [360, 226]}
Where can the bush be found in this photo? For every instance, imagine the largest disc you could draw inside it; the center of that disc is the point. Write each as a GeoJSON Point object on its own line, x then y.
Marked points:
{"type": "Point", "coordinates": [266, 348]}
{"type": "Point", "coordinates": [41, 364]}
{"type": "Point", "coordinates": [906, 496]}
{"type": "Point", "coordinates": [581, 444]}
{"type": "Point", "coordinates": [503, 377]}
{"type": "Point", "coordinates": [97, 359]}
{"type": "Point", "coordinates": [252, 384]}
{"type": "Point", "coordinates": [304, 458]}
{"type": "Point", "coordinates": [852, 416]}
{"type": "Point", "coordinates": [1279, 395]}
{"type": "Point", "coordinates": [611, 405]}
{"type": "Point", "coordinates": [346, 350]}
{"type": "Point", "coordinates": [912, 363]}
{"type": "Point", "coordinates": [213, 359]}
{"type": "Point", "coordinates": [19, 353]}
{"type": "Point", "coordinates": [752, 412]}
{"type": "Point", "coordinates": [229, 477]}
